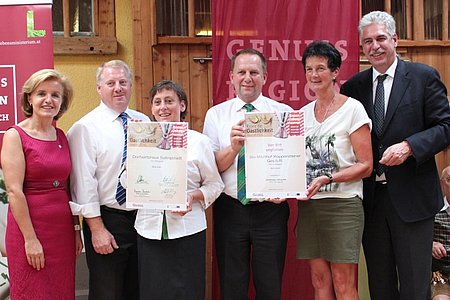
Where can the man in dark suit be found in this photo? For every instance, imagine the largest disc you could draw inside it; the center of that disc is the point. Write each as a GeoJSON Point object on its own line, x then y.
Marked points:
{"type": "Point", "coordinates": [411, 123]}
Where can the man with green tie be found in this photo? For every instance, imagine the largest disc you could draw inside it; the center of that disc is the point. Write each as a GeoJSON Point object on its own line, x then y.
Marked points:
{"type": "Point", "coordinates": [247, 231]}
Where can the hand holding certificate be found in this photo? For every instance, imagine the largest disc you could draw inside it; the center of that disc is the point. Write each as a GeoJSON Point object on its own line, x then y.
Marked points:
{"type": "Point", "coordinates": [275, 155]}
{"type": "Point", "coordinates": [157, 165]}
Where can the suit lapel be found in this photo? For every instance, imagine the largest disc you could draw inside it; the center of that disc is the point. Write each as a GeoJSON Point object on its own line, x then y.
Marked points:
{"type": "Point", "coordinates": [366, 95]}
{"type": "Point", "coordinates": [399, 87]}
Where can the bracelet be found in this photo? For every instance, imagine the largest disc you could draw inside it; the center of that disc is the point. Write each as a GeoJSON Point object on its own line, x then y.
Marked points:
{"type": "Point", "coordinates": [77, 227]}
{"type": "Point", "coordinates": [330, 177]}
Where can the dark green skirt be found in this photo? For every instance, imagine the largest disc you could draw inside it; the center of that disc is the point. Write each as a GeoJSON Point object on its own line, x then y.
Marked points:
{"type": "Point", "coordinates": [330, 228]}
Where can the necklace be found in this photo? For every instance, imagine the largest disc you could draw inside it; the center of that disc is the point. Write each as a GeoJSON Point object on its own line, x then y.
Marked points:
{"type": "Point", "coordinates": [328, 108]}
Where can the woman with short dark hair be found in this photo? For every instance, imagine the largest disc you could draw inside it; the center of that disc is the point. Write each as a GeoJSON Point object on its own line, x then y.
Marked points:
{"type": "Point", "coordinates": [338, 156]}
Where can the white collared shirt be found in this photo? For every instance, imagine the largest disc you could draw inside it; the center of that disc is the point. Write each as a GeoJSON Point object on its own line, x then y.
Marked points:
{"type": "Point", "coordinates": [218, 122]}
{"type": "Point", "coordinates": [96, 145]}
{"type": "Point", "coordinates": [387, 83]}
{"type": "Point", "coordinates": [202, 175]}
{"type": "Point", "coordinates": [446, 206]}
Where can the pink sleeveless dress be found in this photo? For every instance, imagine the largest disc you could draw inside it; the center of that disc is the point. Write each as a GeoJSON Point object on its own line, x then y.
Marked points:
{"type": "Point", "coordinates": [46, 190]}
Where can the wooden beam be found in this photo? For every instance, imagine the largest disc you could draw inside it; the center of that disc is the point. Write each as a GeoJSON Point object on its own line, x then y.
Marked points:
{"type": "Point", "coordinates": [409, 20]}
{"type": "Point", "coordinates": [84, 45]}
{"type": "Point", "coordinates": [66, 18]}
{"type": "Point", "coordinates": [184, 40]}
{"type": "Point", "coordinates": [106, 19]}
{"type": "Point", "coordinates": [191, 18]}
{"type": "Point", "coordinates": [419, 31]}
{"type": "Point", "coordinates": [144, 32]}
{"type": "Point", "coordinates": [95, 12]}
{"type": "Point", "coordinates": [427, 43]}
{"type": "Point", "coordinates": [445, 20]}
{"type": "Point", "coordinates": [387, 6]}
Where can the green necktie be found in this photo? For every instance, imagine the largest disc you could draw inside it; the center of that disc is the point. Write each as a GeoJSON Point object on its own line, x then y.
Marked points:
{"type": "Point", "coordinates": [165, 233]}
{"type": "Point", "coordinates": [241, 190]}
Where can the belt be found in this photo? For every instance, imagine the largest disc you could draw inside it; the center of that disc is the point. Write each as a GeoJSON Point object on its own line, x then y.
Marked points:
{"type": "Point", "coordinates": [43, 185]}
{"type": "Point", "coordinates": [255, 202]}
{"type": "Point", "coordinates": [249, 203]}
{"type": "Point", "coordinates": [118, 211]}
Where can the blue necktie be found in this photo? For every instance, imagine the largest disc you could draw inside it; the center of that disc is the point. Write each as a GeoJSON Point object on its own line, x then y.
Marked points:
{"type": "Point", "coordinates": [241, 186]}
{"type": "Point", "coordinates": [378, 108]}
{"type": "Point", "coordinates": [121, 192]}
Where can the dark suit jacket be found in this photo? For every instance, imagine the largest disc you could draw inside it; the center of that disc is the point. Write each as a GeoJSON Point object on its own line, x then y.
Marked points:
{"type": "Point", "coordinates": [418, 112]}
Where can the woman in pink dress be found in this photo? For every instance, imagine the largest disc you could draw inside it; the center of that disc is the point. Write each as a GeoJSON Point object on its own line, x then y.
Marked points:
{"type": "Point", "coordinates": [42, 236]}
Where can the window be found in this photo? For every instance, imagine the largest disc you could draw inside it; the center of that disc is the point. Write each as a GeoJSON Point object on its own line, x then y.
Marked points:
{"type": "Point", "coordinates": [171, 18]}
{"type": "Point", "coordinates": [84, 27]}
{"type": "Point", "coordinates": [371, 5]}
{"type": "Point", "coordinates": [433, 19]}
{"type": "Point", "coordinates": [400, 13]}
{"type": "Point", "coordinates": [190, 18]}
{"type": "Point", "coordinates": [80, 22]}
{"type": "Point", "coordinates": [203, 18]}
{"type": "Point", "coordinates": [418, 20]}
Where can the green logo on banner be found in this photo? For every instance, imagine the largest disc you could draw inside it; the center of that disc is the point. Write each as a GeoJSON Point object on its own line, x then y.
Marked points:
{"type": "Point", "coordinates": [31, 32]}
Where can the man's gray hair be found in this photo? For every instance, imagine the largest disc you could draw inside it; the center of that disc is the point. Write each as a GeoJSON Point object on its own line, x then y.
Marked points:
{"type": "Point", "coordinates": [116, 63]}
{"type": "Point", "coordinates": [378, 17]}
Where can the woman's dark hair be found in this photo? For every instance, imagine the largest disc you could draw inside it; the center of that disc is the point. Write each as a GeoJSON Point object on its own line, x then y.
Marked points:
{"type": "Point", "coordinates": [171, 86]}
{"type": "Point", "coordinates": [323, 49]}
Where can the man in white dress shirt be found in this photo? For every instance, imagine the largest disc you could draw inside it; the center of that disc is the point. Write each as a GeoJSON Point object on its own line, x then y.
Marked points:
{"type": "Point", "coordinates": [97, 147]}
{"type": "Point", "coordinates": [256, 231]}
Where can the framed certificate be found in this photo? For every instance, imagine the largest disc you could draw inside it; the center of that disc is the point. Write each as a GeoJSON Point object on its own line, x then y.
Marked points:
{"type": "Point", "coordinates": [275, 155]}
{"type": "Point", "coordinates": [157, 165]}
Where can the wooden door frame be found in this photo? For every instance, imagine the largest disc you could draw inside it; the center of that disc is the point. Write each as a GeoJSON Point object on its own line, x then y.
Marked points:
{"type": "Point", "coordinates": [144, 41]}
{"type": "Point", "coordinates": [144, 37]}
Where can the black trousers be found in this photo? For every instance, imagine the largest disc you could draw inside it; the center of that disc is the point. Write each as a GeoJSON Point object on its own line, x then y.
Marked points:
{"type": "Point", "coordinates": [398, 254]}
{"type": "Point", "coordinates": [172, 269]}
{"type": "Point", "coordinates": [114, 276]}
{"type": "Point", "coordinates": [254, 234]}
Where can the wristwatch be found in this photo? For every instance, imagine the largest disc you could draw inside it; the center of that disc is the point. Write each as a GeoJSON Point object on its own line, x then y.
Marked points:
{"type": "Point", "coordinates": [77, 227]}
{"type": "Point", "coordinates": [330, 177]}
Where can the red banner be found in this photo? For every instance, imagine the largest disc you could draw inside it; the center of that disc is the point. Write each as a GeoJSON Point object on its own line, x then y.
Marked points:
{"type": "Point", "coordinates": [281, 30]}
{"type": "Point", "coordinates": [26, 45]}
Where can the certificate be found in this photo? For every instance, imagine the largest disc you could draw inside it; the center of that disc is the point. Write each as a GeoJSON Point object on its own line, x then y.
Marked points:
{"type": "Point", "coordinates": [275, 164]}
{"type": "Point", "coordinates": [157, 165]}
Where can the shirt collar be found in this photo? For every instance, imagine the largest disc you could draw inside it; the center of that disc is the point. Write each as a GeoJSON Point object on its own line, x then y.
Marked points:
{"type": "Point", "coordinates": [390, 72]}
{"type": "Point", "coordinates": [111, 114]}
{"type": "Point", "coordinates": [258, 103]}
{"type": "Point", "coordinates": [446, 206]}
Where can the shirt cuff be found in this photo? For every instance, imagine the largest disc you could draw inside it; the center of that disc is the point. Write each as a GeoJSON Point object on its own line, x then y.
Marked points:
{"type": "Point", "coordinates": [89, 210]}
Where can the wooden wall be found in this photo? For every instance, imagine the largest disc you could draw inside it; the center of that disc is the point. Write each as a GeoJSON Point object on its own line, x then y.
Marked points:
{"type": "Point", "coordinates": [176, 62]}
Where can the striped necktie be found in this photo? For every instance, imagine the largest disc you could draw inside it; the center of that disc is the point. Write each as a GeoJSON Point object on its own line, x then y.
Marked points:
{"type": "Point", "coordinates": [121, 192]}
{"type": "Point", "coordinates": [241, 188]}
